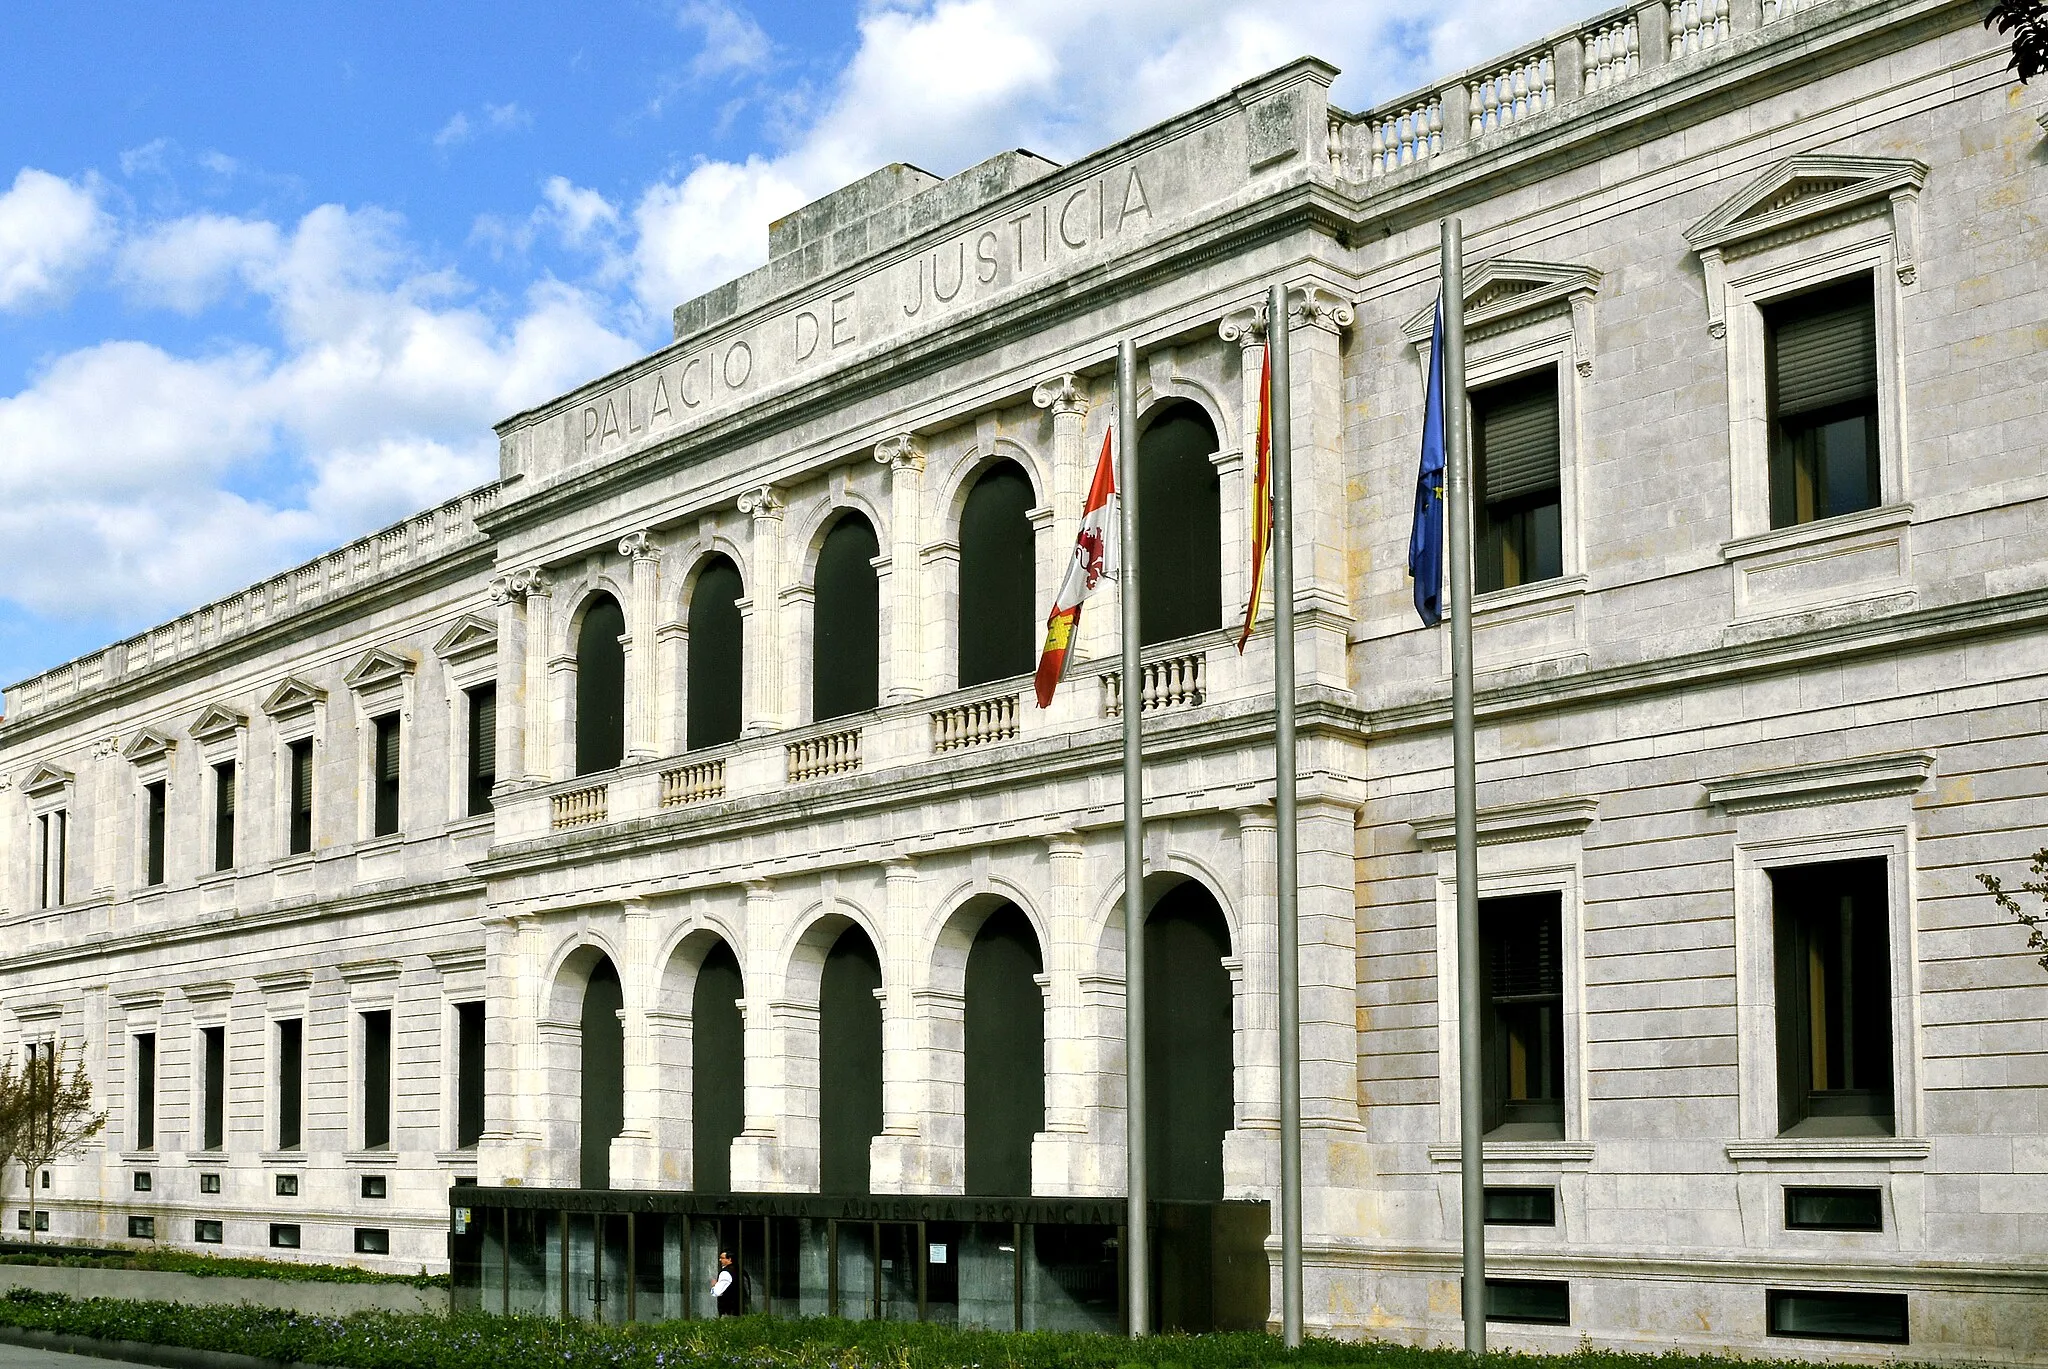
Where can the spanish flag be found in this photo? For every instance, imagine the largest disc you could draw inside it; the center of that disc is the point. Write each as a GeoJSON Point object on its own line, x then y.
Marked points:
{"type": "Point", "coordinates": [1261, 500]}
{"type": "Point", "coordinates": [1096, 555]}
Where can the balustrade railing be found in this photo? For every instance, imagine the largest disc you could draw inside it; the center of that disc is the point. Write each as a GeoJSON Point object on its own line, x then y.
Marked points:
{"type": "Point", "coordinates": [1609, 54]}
{"type": "Point", "coordinates": [1697, 24]}
{"type": "Point", "coordinates": [695, 783]}
{"type": "Point", "coordinates": [579, 807]}
{"type": "Point", "coordinates": [1175, 682]}
{"type": "Point", "coordinates": [1521, 90]}
{"type": "Point", "coordinates": [1412, 135]}
{"type": "Point", "coordinates": [815, 758]}
{"type": "Point", "coordinates": [980, 723]}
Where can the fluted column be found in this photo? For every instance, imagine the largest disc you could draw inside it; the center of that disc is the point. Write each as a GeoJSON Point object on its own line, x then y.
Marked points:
{"type": "Point", "coordinates": [511, 605]}
{"type": "Point", "coordinates": [1067, 398]}
{"type": "Point", "coordinates": [532, 587]}
{"type": "Point", "coordinates": [1247, 328]}
{"type": "Point", "coordinates": [768, 706]}
{"type": "Point", "coordinates": [903, 454]}
{"type": "Point", "coordinates": [1322, 562]}
{"type": "Point", "coordinates": [639, 549]}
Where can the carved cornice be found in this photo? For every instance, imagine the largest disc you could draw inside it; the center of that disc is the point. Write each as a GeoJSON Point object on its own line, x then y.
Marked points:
{"type": "Point", "coordinates": [466, 637]}
{"type": "Point", "coordinates": [369, 971]}
{"type": "Point", "coordinates": [1513, 822]}
{"type": "Point", "coordinates": [639, 546]}
{"type": "Point", "coordinates": [763, 501]}
{"type": "Point", "coordinates": [1809, 786]}
{"type": "Point", "coordinates": [149, 744]}
{"type": "Point", "coordinates": [1503, 292]}
{"type": "Point", "coordinates": [1064, 395]}
{"type": "Point", "coordinates": [378, 667]}
{"type": "Point", "coordinates": [46, 778]}
{"type": "Point", "coordinates": [217, 720]}
{"type": "Point", "coordinates": [292, 695]}
{"type": "Point", "coordinates": [1246, 327]}
{"type": "Point", "coordinates": [1311, 306]}
{"type": "Point", "coordinates": [904, 451]}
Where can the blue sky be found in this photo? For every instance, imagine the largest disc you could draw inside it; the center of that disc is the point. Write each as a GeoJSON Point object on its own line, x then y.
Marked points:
{"type": "Point", "coordinates": [269, 272]}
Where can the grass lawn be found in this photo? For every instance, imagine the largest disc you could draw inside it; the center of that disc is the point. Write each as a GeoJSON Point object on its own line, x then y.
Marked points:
{"type": "Point", "coordinates": [215, 1266]}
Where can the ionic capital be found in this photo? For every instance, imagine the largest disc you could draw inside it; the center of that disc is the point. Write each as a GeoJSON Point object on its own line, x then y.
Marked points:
{"type": "Point", "coordinates": [904, 451]}
{"type": "Point", "coordinates": [528, 583]}
{"type": "Point", "coordinates": [1065, 395]}
{"type": "Point", "coordinates": [638, 546]}
{"type": "Point", "coordinates": [1246, 327]}
{"type": "Point", "coordinates": [761, 502]}
{"type": "Point", "coordinates": [1311, 306]}
{"type": "Point", "coordinates": [501, 589]}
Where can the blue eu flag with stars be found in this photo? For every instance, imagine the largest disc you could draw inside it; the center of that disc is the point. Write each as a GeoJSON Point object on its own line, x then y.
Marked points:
{"type": "Point", "coordinates": [1426, 538]}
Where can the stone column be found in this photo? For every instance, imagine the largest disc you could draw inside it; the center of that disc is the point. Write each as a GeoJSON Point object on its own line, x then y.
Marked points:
{"type": "Point", "coordinates": [639, 549]}
{"type": "Point", "coordinates": [768, 708]}
{"type": "Point", "coordinates": [921, 1148]}
{"type": "Point", "coordinates": [646, 1151]}
{"type": "Point", "coordinates": [511, 1054]}
{"type": "Point", "coordinates": [1247, 328]}
{"type": "Point", "coordinates": [1339, 1196]}
{"type": "Point", "coordinates": [511, 604]}
{"type": "Point", "coordinates": [1067, 397]}
{"type": "Point", "coordinates": [1078, 1154]}
{"type": "Point", "coordinates": [107, 807]}
{"type": "Point", "coordinates": [1322, 571]}
{"type": "Point", "coordinates": [671, 666]}
{"type": "Point", "coordinates": [1251, 1155]}
{"type": "Point", "coordinates": [777, 1151]}
{"type": "Point", "coordinates": [532, 586]}
{"type": "Point", "coordinates": [903, 454]}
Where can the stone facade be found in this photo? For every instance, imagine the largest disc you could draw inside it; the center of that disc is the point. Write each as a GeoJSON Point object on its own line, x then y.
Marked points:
{"type": "Point", "coordinates": [1696, 699]}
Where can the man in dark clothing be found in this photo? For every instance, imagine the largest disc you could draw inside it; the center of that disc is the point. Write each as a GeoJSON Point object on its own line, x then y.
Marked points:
{"type": "Point", "coordinates": [725, 1289]}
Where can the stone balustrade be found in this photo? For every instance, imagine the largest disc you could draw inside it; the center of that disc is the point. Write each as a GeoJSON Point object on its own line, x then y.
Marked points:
{"type": "Point", "coordinates": [583, 807]}
{"type": "Point", "coordinates": [1171, 682]}
{"type": "Point", "coordinates": [1406, 137]}
{"type": "Point", "coordinates": [817, 758]}
{"type": "Point", "coordinates": [695, 783]}
{"type": "Point", "coordinates": [1518, 91]}
{"type": "Point", "coordinates": [1695, 25]}
{"type": "Point", "coordinates": [1612, 53]}
{"type": "Point", "coordinates": [980, 722]}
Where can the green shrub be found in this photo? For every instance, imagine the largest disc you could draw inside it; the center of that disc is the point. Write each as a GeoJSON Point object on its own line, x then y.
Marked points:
{"type": "Point", "coordinates": [217, 1266]}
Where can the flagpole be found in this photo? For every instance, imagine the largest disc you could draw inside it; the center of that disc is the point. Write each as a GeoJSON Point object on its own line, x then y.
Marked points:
{"type": "Point", "coordinates": [1137, 1210]}
{"type": "Point", "coordinates": [1465, 787]}
{"type": "Point", "coordinates": [1281, 455]}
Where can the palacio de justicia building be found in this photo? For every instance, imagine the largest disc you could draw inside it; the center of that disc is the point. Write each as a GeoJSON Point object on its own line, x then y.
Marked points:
{"type": "Point", "coordinates": [660, 850]}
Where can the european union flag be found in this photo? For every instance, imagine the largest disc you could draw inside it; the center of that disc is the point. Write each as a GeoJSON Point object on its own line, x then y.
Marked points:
{"type": "Point", "coordinates": [1426, 538]}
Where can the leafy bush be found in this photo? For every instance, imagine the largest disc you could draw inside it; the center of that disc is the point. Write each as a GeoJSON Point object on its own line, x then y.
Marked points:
{"type": "Point", "coordinates": [385, 1341]}
{"type": "Point", "coordinates": [214, 1266]}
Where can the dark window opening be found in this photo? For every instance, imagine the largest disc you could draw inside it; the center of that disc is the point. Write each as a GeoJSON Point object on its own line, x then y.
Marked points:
{"type": "Point", "coordinates": [53, 836]}
{"type": "Point", "coordinates": [1522, 969]}
{"type": "Point", "coordinates": [1515, 452]}
{"type": "Point", "coordinates": [469, 1074]}
{"type": "Point", "coordinates": [1188, 1046]}
{"type": "Point", "coordinates": [600, 687]}
{"type": "Point", "coordinates": [1834, 1022]}
{"type": "Point", "coordinates": [206, 1232]}
{"type": "Point", "coordinates": [1180, 527]}
{"type": "Point", "coordinates": [604, 1073]}
{"type": "Point", "coordinates": [377, 1079]}
{"type": "Point", "coordinates": [284, 1235]}
{"type": "Point", "coordinates": [42, 1219]}
{"type": "Point", "coordinates": [140, 1228]}
{"type": "Point", "coordinates": [291, 1056]}
{"type": "Point", "coordinates": [998, 596]}
{"type": "Point", "coordinates": [144, 1181]}
{"type": "Point", "coordinates": [718, 1069]}
{"type": "Point", "coordinates": [715, 669]}
{"type": "Point", "coordinates": [287, 1186]}
{"type": "Point", "coordinates": [209, 1183]}
{"type": "Point", "coordinates": [1543, 1302]}
{"type": "Point", "coordinates": [145, 1091]}
{"type": "Point", "coordinates": [1521, 1206]}
{"type": "Point", "coordinates": [157, 802]}
{"type": "Point", "coordinates": [483, 747]}
{"type": "Point", "coordinates": [1821, 358]}
{"type": "Point", "coordinates": [213, 1045]}
{"type": "Point", "coordinates": [1005, 1039]}
{"type": "Point", "coordinates": [385, 764]}
{"type": "Point", "coordinates": [224, 816]}
{"type": "Point", "coordinates": [376, 1186]}
{"type": "Point", "coordinates": [846, 661]}
{"type": "Point", "coordinates": [373, 1240]}
{"type": "Point", "coordinates": [849, 1062]}
{"type": "Point", "coordinates": [1834, 1209]}
{"type": "Point", "coordinates": [301, 818]}
{"type": "Point", "coordinates": [1828, 1315]}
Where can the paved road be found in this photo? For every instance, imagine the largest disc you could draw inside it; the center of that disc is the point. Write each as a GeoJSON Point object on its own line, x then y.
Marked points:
{"type": "Point", "coordinates": [23, 1357]}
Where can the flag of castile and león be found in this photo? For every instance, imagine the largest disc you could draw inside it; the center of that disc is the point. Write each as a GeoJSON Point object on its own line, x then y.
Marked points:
{"type": "Point", "coordinates": [1096, 554]}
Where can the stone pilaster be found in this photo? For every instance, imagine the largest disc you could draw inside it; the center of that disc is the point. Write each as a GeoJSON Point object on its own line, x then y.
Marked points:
{"type": "Point", "coordinates": [1247, 328]}
{"type": "Point", "coordinates": [1251, 1157]}
{"type": "Point", "coordinates": [532, 587]}
{"type": "Point", "coordinates": [920, 1149]}
{"type": "Point", "coordinates": [1317, 320]}
{"type": "Point", "coordinates": [768, 703]}
{"type": "Point", "coordinates": [1338, 1181]}
{"type": "Point", "coordinates": [903, 454]}
{"type": "Point", "coordinates": [507, 1149]}
{"type": "Point", "coordinates": [777, 1151]}
{"type": "Point", "coordinates": [651, 1149]}
{"type": "Point", "coordinates": [644, 598]}
{"type": "Point", "coordinates": [509, 594]}
{"type": "Point", "coordinates": [1078, 1153]}
{"type": "Point", "coordinates": [1067, 398]}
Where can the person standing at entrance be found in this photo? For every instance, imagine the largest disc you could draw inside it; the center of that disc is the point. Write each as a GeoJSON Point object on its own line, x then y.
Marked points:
{"type": "Point", "coordinates": [725, 1289]}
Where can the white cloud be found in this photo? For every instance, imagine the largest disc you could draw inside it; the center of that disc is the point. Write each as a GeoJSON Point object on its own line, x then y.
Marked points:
{"type": "Point", "coordinates": [188, 263]}
{"type": "Point", "coordinates": [733, 42]}
{"type": "Point", "coordinates": [454, 133]}
{"type": "Point", "coordinates": [490, 119]}
{"type": "Point", "coordinates": [50, 230]}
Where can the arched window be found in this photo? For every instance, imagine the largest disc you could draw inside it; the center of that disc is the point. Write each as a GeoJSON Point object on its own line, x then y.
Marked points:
{"type": "Point", "coordinates": [846, 651]}
{"type": "Point", "coordinates": [1187, 1044]}
{"type": "Point", "coordinates": [715, 656]}
{"type": "Point", "coordinates": [1180, 529]}
{"type": "Point", "coordinates": [1005, 1031]}
{"type": "Point", "coordinates": [604, 1072]}
{"type": "Point", "coordinates": [717, 1069]}
{"type": "Point", "coordinates": [849, 1062]}
{"type": "Point", "coordinates": [600, 687]}
{"type": "Point", "coordinates": [997, 597]}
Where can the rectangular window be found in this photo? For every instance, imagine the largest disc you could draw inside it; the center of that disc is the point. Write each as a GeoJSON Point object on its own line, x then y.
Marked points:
{"type": "Point", "coordinates": [1877, 1317]}
{"type": "Point", "coordinates": [300, 820]}
{"type": "Point", "coordinates": [469, 1074]}
{"type": "Point", "coordinates": [1545, 1302]}
{"type": "Point", "coordinates": [206, 1232]}
{"type": "Point", "coordinates": [145, 1090]}
{"type": "Point", "coordinates": [291, 1055]}
{"type": "Point", "coordinates": [209, 1183]}
{"type": "Point", "coordinates": [483, 747]}
{"type": "Point", "coordinates": [1515, 449]}
{"type": "Point", "coordinates": [1834, 1011]}
{"type": "Point", "coordinates": [373, 1240]}
{"type": "Point", "coordinates": [375, 1186]}
{"type": "Point", "coordinates": [42, 1219]}
{"type": "Point", "coordinates": [213, 1049]}
{"type": "Point", "coordinates": [287, 1186]}
{"type": "Point", "coordinates": [144, 1181]}
{"type": "Point", "coordinates": [52, 835]}
{"type": "Point", "coordinates": [224, 816]}
{"type": "Point", "coordinates": [142, 1228]}
{"type": "Point", "coordinates": [377, 1079]}
{"type": "Point", "coordinates": [1834, 1209]}
{"type": "Point", "coordinates": [1821, 354]}
{"type": "Point", "coordinates": [156, 799]}
{"type": "Point", "coordinates": [284, 1235]}
{"type": "Point", "coordinates": [384, 761]}
{"type": "Point", "coordinates": [1521, 1206]}
{"type": "Point", "coordinates": [1522, 968]}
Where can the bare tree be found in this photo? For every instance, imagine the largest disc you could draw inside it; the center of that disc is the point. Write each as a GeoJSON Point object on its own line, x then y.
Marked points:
{"type": "Point", "coordinates": [2035, 923]}
{"type": "Point", "coordinates": [2027, 22]}
{"type": "Point", "coordinates": [46, 1115]}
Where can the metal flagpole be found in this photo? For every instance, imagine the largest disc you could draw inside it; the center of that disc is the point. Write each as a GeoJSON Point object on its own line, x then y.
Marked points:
{"type": "Point", "coordinates": [1137, 1242]}
{"type": "Point", "coordinates": [1281, 455]}
{"type": "Point", "coordinates": [1458, 499]}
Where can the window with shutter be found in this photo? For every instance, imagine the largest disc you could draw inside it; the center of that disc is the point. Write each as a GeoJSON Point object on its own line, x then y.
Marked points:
{"type": "Point", "coordinates": [301, 752]}
{"type": "Point", "coordinates": [483, 747]}
{"type": "Point", "coordinates": [224, 816]}
{"type": "Point", "coordinates": [153, 852]}
{"type": "Point", "coordinates": [384, 761]}
{"type": "Point", "coordinates": [1516, 454]}
{"type": "Point", "coordinates": [1522, 968]}
{"type": "Point", "coordinates": [1833, 962]}
{"type": "Point", "coordinates": [1821, 357]}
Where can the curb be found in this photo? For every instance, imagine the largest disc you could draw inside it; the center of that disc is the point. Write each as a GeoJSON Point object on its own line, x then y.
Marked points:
{"type": "Point", "coordinates": [140, 1352]}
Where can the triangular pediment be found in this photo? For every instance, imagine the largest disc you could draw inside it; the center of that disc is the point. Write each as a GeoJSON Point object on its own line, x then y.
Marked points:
{"type": "Point", "coordinates": [1802, 188]}
{"type": "Point", "coordinates": [216, 720]}
{"type": "Point", "coordinates": [1503, 288]}
{"type": "Point", "coordinates": [377, 667]}
{"type": "Point", "coordinates": [469, 635]}
{"type": "Point", "coordinates": [292, 695]}
{"type": "Point", "coordinates": [148, 745]}
{"type": "Point", "coordinates": [44, 778]}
